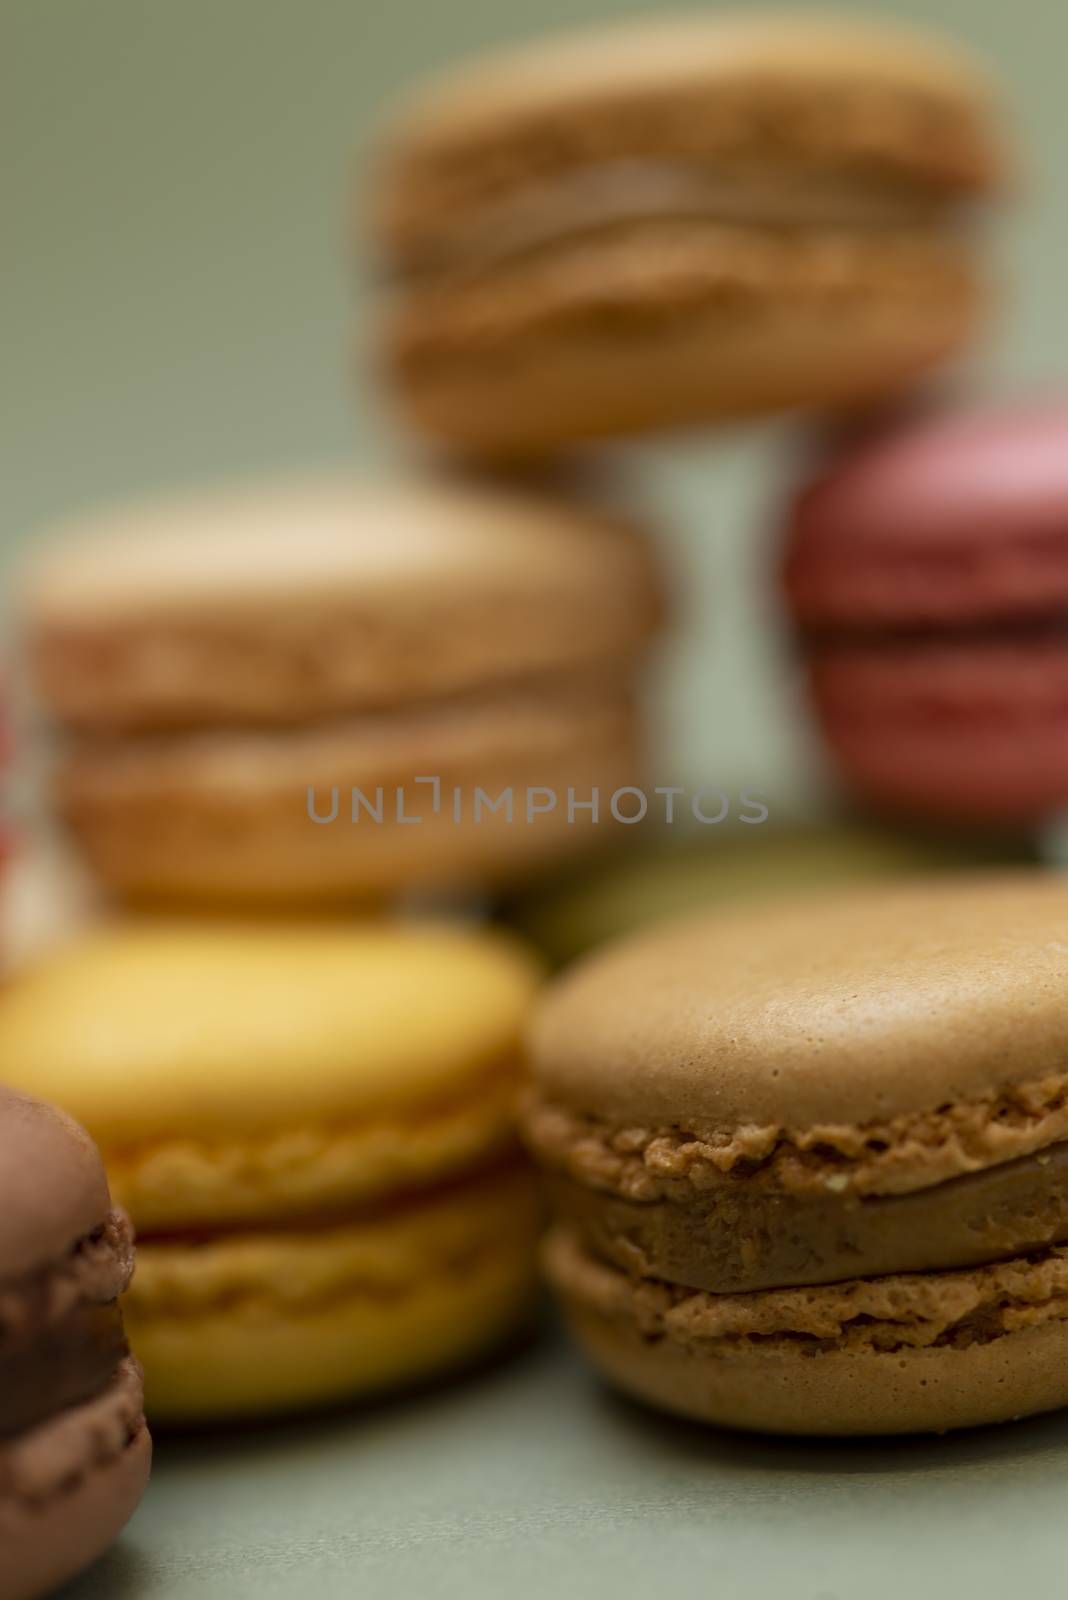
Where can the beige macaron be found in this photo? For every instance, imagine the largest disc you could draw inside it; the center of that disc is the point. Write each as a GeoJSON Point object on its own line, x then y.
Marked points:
{"type": "Point", "coordinates": [320, 691]}
{"type": "Point", "coordinates": [810, 1161]}
{"type": "Point", "coordinates": [665, 223]}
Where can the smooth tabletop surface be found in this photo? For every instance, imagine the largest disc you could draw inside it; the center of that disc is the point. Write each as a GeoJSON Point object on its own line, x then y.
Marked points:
{"type": "Point", "coordinates": [530, 1479]}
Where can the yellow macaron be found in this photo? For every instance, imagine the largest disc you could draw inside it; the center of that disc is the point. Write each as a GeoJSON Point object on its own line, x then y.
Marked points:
{"type": "Point", "coordinates": [312, 1128]}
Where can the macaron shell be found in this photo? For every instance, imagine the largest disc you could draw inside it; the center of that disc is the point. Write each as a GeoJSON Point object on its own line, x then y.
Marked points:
{"type": "Point", "coordinates": [709, 322]}
{"type": "Point", "coordinates": [657, 1344]}
{"type": "Point", "coordinates": [258, 1323]}
{"type": "Point", "coordinates": [187, 1182]}
{"type": "Point", "coordinates": [843, 1394]}
{"type": "Point", "coordinates": [155, 1031]}
{"type": "Point", "coordinates": [53, 1191]}
{"type": "Point", "coordinates": [847, 1010]}
{"type": "Point", "coordinates": [44, 1546]}
{"type": "Point", "coordinates": [217, 820]}
{"type": "Point", "coordinates": [954, 521]}
{"type": "Point", "coordinates": [730, 88]}
{"type": "Point", "coordinates": [949, 728]}
{"type": "Point", "coordinates": [70, 1486]}
{"type": "Point", "coordinates": [1013, 776]}
{"type": "Point", "coordinates": [298, 600]}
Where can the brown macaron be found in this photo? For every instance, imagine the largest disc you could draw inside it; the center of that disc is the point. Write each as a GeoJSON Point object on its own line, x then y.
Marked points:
{"type": "Point", "coordinates": [810, 1162]}
{"type": "Point", "coordinates": [296, 694]}
{"type": "Point", "coordinates": [74, 1450]}
{"type": "Point", "coordinates": [666, 223]}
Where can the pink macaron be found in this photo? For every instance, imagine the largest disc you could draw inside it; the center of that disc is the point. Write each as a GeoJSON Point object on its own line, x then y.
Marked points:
{"type": "Point", "coordinates": [927, 571]}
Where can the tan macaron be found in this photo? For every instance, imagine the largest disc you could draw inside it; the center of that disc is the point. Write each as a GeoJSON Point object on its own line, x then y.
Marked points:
{"type": "Point", "coordinates": [810, 1162]}
{"type": "Point", "coordinates": [261, 686]}
{"type": "Point", "coordinates": [664, 223]}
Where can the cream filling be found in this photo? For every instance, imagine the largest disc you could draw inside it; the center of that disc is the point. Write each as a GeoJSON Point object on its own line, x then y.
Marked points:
{"type": "Point", "coordinates": [904, 1311]}
{"type": "Point", "coordinates": [905, 1153]}
{"type": "Point", "coordinates": [305, 1270]}
{"type": "Point", "coordinates": [57, 1456]}
{"type": "Point", "coordinates": [597, 198]}
{"type": "Point", "coordinates": [96, 1271]}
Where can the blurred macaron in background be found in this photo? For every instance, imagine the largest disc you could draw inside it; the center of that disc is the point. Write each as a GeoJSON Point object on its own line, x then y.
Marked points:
{"type": "Point", "coordinates": [679, 873]}
{"type": "Point", "coordinates": [672, 223]}
{"type": "Point", "coordinates": [297, 693]}
{"type": "Point", "coordinates": [927, 572]}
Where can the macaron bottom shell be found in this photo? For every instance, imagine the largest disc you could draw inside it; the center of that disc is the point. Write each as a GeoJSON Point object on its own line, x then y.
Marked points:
{"type": "Point", "coordinates": [660, 330]}
{"type": "Point", "coordinates": [48, 1537]}
{"type": "Point", "coordinates": [260, 1323]}
{"type": "Point", "coordinates": [844, 1395]}
{"type": "Point", "coordinates": [971, 729]}
{"type": "Point", "coordinates": [815, 1386]}
{"type": "Point", "coordinates": [347, 811]}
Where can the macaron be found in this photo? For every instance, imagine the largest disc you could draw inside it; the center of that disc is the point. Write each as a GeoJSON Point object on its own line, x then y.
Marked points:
{"type": "Point", "coordinates": [313, 1128]}
{"type": "Point", "coordinates": [809, 1162]}
{"type": "Point", "coordinates": [582, 909]}
{"type": "Point", "coordinates": [926, 571]}
{"type": "Point", "coordinates": [74, 1449]}
{"type": "Point", "coordinates": [663, 223]}
{"type": "Point", "coordinates": [322, 692]}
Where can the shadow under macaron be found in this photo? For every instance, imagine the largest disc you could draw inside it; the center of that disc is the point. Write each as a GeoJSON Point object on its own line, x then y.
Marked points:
{"type": "Point", "coordinates": [1029, 1441]}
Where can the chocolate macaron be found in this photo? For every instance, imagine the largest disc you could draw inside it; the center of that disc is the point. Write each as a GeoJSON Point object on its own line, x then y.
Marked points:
{"type": "Point", "coordinates": [662, 224]}
{"type": "Point", "coordinates": [332, 691]}
{"type": "Point", "coordinates": [74, 1450]}
{"type": "Point", "coordinates": [927, 571]}
{"type": "Point", "coordinates": [810, 1163]}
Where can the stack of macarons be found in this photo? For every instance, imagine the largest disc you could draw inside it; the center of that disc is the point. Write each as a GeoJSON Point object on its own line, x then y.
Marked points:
{"type": "Point", "coordinates": [279, 715]}
{"type": "Point", "coordinates": [319, 698]}
{"type": "Point", "coordinates": [288, 700]}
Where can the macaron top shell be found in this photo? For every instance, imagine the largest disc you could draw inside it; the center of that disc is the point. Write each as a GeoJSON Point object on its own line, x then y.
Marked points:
{"type": "Point", "coordinates": [296, 600]}
{"type": "Point", "coordinates": [951, 520]}
{"type": "Point", "coordinates": [53, 1191]}
{"type": "Point", "coordinates": [163, 1031]}
{"type": "Point", "coordinates": [808, 93]}
{"type": "Point", "coordinates": [849, 1010]}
